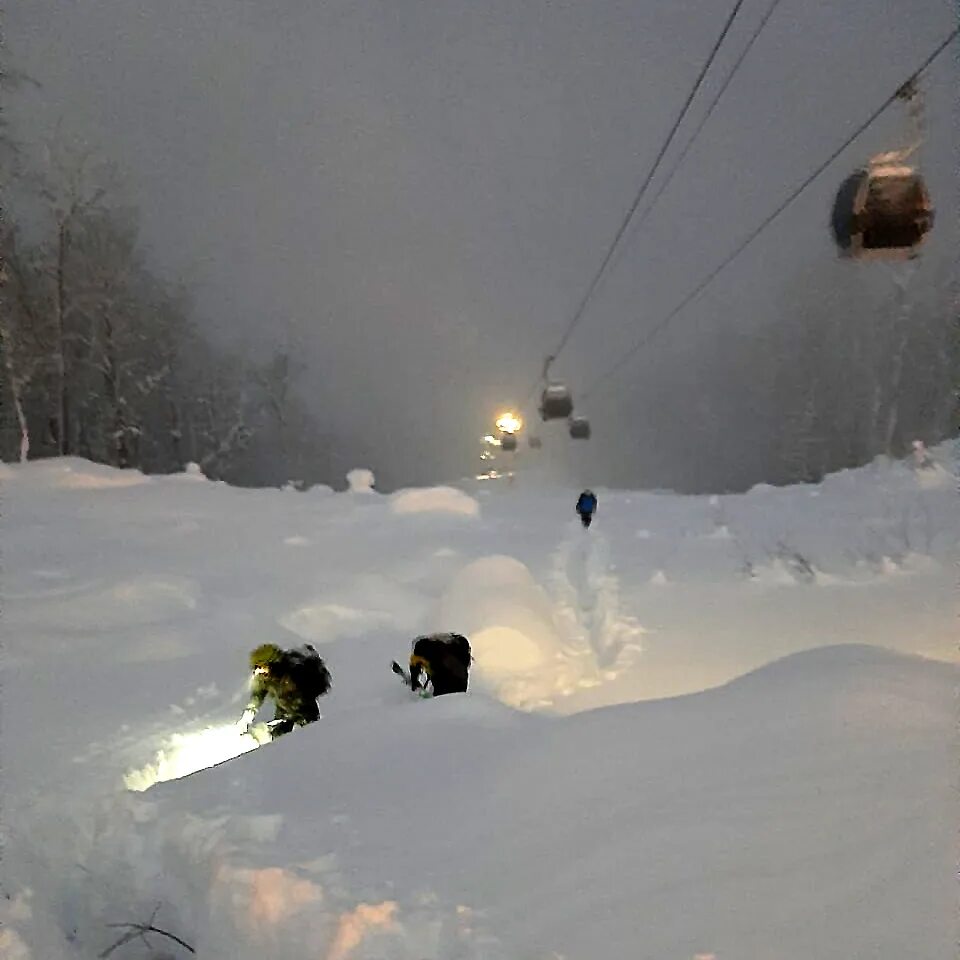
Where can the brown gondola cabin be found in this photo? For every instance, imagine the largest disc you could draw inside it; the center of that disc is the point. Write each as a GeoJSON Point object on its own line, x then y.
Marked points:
{"type": "Point", "coordinates": [882, 212]}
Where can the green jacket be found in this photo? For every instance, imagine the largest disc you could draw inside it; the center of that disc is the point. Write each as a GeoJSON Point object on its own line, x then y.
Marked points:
{"type": "Point", "coordinates": [280, 685]}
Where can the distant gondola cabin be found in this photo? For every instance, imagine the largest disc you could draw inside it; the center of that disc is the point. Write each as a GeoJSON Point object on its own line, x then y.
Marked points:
{"type": "Point", "coordinates": [882, 212]}
{"type": "Point", "coordinates": [579, 428]}
{"type": "Point", "coordinates": [508, 442]}
{"type": "Point", "coordinates": [556, 403]}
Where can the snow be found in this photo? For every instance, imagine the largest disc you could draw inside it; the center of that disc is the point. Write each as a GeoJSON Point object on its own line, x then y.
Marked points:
{"type": "Point", "coordinates": [188, 753]}
{"type": "Point", "coordinates": [496, 602]}
{"type": "Point", "coordinates": [708, 726]}
{"type": "Point", "coordinates": [360, 480]}
{"type": "Point", "coordinates": [192, 471]}
{"type": "Point", "coordinates": [434, 500]}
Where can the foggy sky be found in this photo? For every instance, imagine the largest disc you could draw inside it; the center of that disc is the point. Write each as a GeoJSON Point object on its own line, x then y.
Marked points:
{"type": "Point", "coordinates": [421, 191]}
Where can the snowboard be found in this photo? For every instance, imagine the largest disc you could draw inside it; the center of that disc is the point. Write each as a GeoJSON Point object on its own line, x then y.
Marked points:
{"type": "Point", "coordinates": [263, 732]}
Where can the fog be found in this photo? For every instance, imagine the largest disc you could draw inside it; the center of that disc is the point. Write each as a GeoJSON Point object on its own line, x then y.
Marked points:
{"type": "Point", "coordinates": [415, 196]}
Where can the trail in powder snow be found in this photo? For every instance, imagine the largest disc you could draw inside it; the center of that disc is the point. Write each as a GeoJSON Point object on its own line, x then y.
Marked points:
{"type": "Point", "coordinates": [599, 639]}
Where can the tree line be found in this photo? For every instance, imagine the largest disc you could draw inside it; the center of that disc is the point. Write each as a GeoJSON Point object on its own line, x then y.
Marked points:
{"type": "Point", "coordinates": [101, 358]}
{"type": "Point", "coordinates": [848, 366]}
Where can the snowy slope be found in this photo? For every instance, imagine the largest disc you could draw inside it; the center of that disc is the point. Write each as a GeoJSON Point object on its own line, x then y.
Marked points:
{"type": "Point", "coordinates": [802, 810]}
{"type": "Point", "coordinates": [659, 830]}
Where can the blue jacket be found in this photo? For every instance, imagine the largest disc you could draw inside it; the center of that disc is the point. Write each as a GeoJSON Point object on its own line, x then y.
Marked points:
{"type": "Point", "coordinates": [586, 504]}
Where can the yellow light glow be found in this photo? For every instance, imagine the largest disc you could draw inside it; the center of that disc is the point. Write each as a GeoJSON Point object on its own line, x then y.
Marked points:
{"type": "Point", "coordinates": [187, 753]}
{"type": "Point", "coordinates": [509, 422]}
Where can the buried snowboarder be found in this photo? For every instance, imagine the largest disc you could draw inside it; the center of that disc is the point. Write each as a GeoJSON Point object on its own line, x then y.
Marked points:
{"type": "Point", "coordinates": [441, 660]}
{"type": "Point", "coordinates": [293, 679]}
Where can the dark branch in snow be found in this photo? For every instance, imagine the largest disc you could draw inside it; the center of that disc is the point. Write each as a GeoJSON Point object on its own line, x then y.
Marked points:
{"type": "Point", "coordinates": [140, 930]}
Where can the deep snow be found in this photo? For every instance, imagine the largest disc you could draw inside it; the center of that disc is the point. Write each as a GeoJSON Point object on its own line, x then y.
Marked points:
{"type": "Point", "coordinates": [805, 808]}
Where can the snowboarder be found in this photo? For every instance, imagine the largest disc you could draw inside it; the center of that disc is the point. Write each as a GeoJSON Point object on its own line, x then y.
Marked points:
{"type": "Point", "coordinates": [586, 507]}
{"type": "Point", "coordinates": [294, 679]}
{"type": "Point", "coordinates": [440, 659]}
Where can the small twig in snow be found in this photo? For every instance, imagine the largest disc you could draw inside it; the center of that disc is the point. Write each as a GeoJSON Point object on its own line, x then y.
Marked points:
{"type": "Point", "coordinates": [141, 930]}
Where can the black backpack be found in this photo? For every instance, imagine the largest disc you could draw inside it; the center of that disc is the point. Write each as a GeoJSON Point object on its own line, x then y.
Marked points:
{"type": "Point", "coordinates": [309, 672]}
{"type": "Point", "coordinates": [448, 652]}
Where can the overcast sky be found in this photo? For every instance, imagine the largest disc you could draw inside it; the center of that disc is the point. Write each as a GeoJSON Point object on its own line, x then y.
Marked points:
{"type": "Point", "coordinates": [424, 188]}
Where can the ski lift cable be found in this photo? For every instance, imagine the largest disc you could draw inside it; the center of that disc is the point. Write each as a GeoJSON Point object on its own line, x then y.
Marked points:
{"type": "Point", "coordinates": [625, 222]}
{"type": "Point", "coordinates": [795, 193]}
{"type": "Point", "coordinates": [678, 162]}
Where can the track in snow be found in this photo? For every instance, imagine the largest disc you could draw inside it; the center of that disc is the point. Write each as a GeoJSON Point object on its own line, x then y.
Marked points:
{"type": "Point", "coordinates": [598, 637]}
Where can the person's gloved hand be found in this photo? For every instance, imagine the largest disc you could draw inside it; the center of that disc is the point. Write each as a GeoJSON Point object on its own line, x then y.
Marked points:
{"type": "Point", "coordinates": [243, 724]}
{"type": "Point", "coordinates": [260, 732]}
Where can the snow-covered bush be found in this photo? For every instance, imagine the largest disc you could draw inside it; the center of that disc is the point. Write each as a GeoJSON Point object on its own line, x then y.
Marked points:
{"type": "Point", "coordinates": [361, 480]}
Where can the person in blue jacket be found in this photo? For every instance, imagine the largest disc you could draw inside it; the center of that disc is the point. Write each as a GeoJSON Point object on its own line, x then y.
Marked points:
{"type": "Point", "coordinates": [587, 507]}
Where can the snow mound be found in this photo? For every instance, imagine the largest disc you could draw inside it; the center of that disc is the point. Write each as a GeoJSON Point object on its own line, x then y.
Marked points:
{"type": "Point", "coordinates": [191, 473]}
{"type": "Point", "coordinates": [324, 622]}
{"type": "Point", "coordinates": [505, 650]}
{"type": "Point", "coordinates": [103, 481]}
{"type": "Point", "coordinates": [497, 603]}
{"type": "Point", "coordinates": [853, 684]}
{"type": "Point", "coordinates": [434, 500]}
{"type": "Point", "coordinates": [361, 480]}
{"type": "Point", "coordinates": [75, 473]}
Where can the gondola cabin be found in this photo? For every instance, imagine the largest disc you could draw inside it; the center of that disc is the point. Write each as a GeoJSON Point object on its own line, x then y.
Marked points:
{"type": "Point", "coordinates": [579, 428]}
{"type": "Point", "coordinates": [882, 212]}
{"type": "Point", "coordinates": [556, 403]}
{"type": "Point", "coordinates": [508, 442]}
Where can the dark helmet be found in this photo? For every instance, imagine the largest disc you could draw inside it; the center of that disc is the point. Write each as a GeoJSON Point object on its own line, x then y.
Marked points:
{"type": "Point", "coordinates": [265, 655]}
